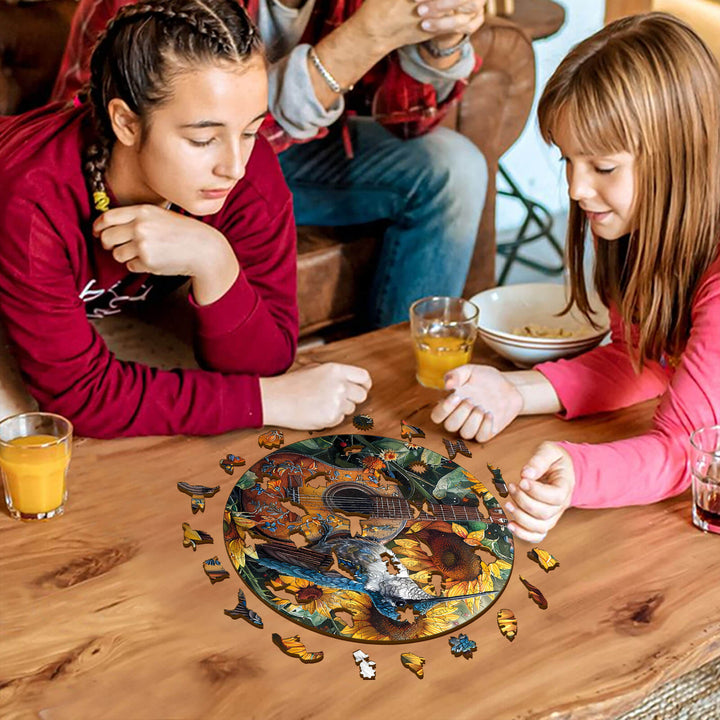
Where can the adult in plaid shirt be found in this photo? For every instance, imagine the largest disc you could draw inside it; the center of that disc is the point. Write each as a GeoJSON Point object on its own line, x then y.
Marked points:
{"type": "Point", "coordinates": [357, 90]}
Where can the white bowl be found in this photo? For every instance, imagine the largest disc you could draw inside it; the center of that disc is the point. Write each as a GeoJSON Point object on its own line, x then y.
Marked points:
{"type": "Point", "coordinates": [509, 307]}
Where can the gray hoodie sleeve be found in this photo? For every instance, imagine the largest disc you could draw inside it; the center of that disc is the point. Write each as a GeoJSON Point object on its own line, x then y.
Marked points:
{"type": "Point", "coordinates": [292, 97]}
{"type": "Point", "coordinates": [443, 81]}
{"type": "Point", "coordinates": [296, 109]}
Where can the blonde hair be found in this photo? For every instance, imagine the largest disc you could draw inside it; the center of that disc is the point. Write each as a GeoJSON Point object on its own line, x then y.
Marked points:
{"type": "Point", "coordinates": [649, 86]}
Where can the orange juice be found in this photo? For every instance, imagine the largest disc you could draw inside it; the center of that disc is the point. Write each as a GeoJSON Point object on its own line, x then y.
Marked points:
{"type": "Point", "coordinates": [436, 355]}
{"type": "Point", "coordinates": [34, 475]}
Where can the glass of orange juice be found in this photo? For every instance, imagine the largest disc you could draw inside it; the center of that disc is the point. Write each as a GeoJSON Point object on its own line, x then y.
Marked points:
{"type": "Point", "coordinates": [35, 450]}
{"type": "Point", "coordinates": [443, 331]}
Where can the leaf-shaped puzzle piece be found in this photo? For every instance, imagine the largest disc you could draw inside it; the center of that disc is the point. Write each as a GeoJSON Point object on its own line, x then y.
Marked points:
{"type": "Point", "coordinates": [454, 447]}
{"type": "Point", "coordinates": [271, 439]}
{"type": "Point", "coordinates": [543, 558]}
{"type": "Point", "coordinates": [363, 422]}
{"type": "Point", "coordinates": [498, 480]}
{"type": "Point", "coordinates": [408, 431]}
{"type": "Point", "coordinates": [365, 664]}
{"type": "Point", "coordinates": [241, 610]}
{"type": "Point", "coordinates": [197, 494]}
{"type": "Point", "coordinates": [214, 570]}
{"type": "Point", "coordinates": [507, 623]}
{"type": "Point", "coordinates": [534, 594]}
{"type": "Point", "coordinates": [230, 462]}
{"type": "Point", "coordinates": [292, 646]}
{"type": "Point", "coordinates": [462, 645]}
{"type": "Point", "coordinates": [414, 663]}
{"type": "Point", "coordinates": [194, 537]}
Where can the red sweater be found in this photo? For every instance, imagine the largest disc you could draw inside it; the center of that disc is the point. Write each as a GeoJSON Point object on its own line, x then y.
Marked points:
{"type": "Point", "coordinates": [54, 273]}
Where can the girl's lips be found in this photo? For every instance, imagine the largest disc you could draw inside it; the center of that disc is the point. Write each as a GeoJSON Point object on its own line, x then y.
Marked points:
{"type": "Point", "coordinates": [215, 194]}
{"type": "Point", "coordinates": [596, 216]}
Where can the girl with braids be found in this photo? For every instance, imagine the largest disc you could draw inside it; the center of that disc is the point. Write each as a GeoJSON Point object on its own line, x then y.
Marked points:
{"type": "Point", "coordinates": [635, 112]}
{"type": "Point", "coordinates": [158, 178]}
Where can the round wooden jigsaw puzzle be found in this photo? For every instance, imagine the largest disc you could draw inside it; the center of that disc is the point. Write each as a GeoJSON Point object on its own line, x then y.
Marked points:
{"type": "Point", "coordinates": [368, 538]}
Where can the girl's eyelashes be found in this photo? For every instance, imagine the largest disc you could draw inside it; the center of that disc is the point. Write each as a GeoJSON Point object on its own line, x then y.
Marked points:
{"type": "Point", "coordinates": [604, 171]}
{"type": "Point", "coordinates": [200, 143]}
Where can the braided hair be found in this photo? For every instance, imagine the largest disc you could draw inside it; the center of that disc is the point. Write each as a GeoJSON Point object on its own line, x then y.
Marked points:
{"type": "Point", "coordinates": [134, 58]}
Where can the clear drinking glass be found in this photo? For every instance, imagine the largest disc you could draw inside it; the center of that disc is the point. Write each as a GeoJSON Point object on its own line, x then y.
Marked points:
{"type": "Point", "coordinates": [705, 470]}
{"type": "Point", "coordinates": [443, 331]}
{"type": "Point", "coordinates": [35, 451]}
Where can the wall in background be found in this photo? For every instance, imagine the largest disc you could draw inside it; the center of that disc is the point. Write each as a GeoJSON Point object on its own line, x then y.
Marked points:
{"type": "Point", "coordinates": [534, 166]}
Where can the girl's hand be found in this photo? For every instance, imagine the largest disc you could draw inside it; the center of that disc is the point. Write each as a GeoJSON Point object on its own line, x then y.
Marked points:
{"type": "Point", "coordinates": [483, 402]}
{"type": "Point", "coordinates": [314, 397]}
{"type": "Point", "coordinates": [546, 486]}
{"type": "Point", "coordinates": [150, 239]}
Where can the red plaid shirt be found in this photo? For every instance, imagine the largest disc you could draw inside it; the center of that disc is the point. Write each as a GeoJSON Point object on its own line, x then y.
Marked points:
{"type": "Point", "coordinates": [404, 105]}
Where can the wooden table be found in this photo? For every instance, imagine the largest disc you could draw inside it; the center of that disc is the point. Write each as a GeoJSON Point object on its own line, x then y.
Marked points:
{"type": "Point", "coordinates": [105, 614]}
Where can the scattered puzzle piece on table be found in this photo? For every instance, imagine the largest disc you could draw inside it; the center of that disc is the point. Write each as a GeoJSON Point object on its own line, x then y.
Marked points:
{"type": "Point", "coordinates": [194, 537]}
{"type": "Point", "coordinates": [197, 494]}
{"type": "Point", "coordinates": [409, 431]}
{"type": "Point", "coordinates": [293, 647]}
{"type": "Point", "coordinates": [507, 623]}
{"type": "Point", "coordinates": [214, 570]}
{"type": "Point", "coordinates": [498, 480]}
{"type": "Point", "coordinates": [534, 594]}
{"type": "Point", "coordinates": [271, 439]}
{"type": "Point", "coordinates": [462, 645]}
{"type": "Point", "coordinates": [241, 610]}
{"type": "Point", "coordinates": [454, 447]}
{"type": "Point", "coordinates": [230, 462]}
{"type": "Point", "coordinates": [366, 665]}
{"type": "Point", "coordinates": [543, 558]}
{"type": "Point", "coordinates": [414, 663]}
{"type": "Point", "coordinates": [363, 422]}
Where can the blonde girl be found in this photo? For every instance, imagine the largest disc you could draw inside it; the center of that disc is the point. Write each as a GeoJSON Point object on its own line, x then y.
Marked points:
{"type": "Point", "coordinates": [635, 113]}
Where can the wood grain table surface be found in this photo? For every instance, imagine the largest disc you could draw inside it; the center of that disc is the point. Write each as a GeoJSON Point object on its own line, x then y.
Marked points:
{"type": "Point", "coordinates": [104, 613]}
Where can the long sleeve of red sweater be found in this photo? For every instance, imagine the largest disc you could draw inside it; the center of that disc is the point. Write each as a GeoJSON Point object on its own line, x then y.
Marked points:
{"type": "Point", "coordinates": [653, 466]}
{"type": "Point", "coordinates": [47, 258]}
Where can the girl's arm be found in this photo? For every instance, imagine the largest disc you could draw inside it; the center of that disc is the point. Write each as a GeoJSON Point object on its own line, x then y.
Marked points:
{"type": "Point", "coordinates": [654, 466]}
{"type": "Point", "coordinates": [603, 379]}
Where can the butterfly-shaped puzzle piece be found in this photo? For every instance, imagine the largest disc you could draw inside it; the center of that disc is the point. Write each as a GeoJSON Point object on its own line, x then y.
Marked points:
{"type": "Point", "coordinates": [507, 623]}
{"type": "Point", "coordinates": [462, 645]}
{"type": "Point", "coordinates": [498, 480]}
{"type": "Point", "coordinates": [408, 431]}
{"type": "Point", "coordinates": [241, 610]}
{"type": "Point", "coordinates": [197, 494]}
{"type": "Point", "coordinates": [544, 559]}
{"type": "Point", "coordinates": [194, 537]}
{"type": "Point", "coordinates": [230, 462]}
{"type": "Point", "coordinates": [214, 570]}
{"type": "Point", "coordinates": [534, 594]}
{"type": "Point", "coordinates": [271, 439]}
{"type": "Point", "coordinates": [454, 447]}
{"type": "Point", "coordinates": [293, 647]}
{"type": "Point", "coordinates": [414, 663]}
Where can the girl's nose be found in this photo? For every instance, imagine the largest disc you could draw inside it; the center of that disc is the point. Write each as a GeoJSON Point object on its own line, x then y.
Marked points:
{"type": "Point", "coordinates": [580, 186]}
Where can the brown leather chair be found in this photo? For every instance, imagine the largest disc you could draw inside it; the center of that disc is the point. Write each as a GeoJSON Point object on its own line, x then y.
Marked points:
{"type": "Point", "coordinates": [334, 264]}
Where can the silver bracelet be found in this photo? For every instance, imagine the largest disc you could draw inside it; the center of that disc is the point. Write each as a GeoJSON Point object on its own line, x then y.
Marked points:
{"type": "Point", "coordinates": [333, 84]}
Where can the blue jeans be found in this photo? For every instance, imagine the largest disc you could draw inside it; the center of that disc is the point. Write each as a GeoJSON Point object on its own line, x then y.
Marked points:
{"type": "Point", "coordinates": [431, 189]}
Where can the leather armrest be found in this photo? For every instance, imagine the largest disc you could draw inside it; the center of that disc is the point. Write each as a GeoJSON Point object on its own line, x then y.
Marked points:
{"type": "Point", "coordinates": [32, 41]}
{"type": "Point", "coordinates": [497, 102]}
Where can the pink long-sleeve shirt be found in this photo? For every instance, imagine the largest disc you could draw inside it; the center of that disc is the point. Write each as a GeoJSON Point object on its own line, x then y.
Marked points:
{"type": "Point", "coordinates": [54, 275]}
{"type": "Point", "coordinates": [653, 466]}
